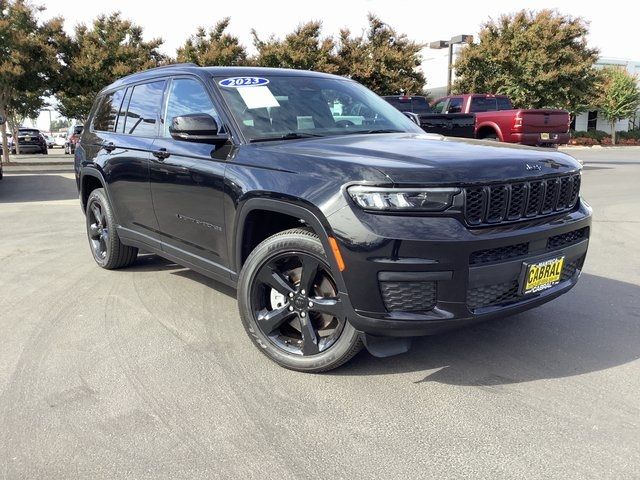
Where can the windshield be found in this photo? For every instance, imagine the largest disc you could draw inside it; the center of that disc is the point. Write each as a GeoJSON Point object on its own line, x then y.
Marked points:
{"type": "Point", "coordinates": [280, 107]}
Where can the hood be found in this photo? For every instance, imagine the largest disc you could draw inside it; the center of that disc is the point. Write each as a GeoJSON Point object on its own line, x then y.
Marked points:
{"type": "Point", "coordinates": [414, 158]}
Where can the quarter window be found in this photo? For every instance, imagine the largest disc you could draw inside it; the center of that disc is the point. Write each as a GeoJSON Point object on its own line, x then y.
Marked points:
{"type": "Point", "coordinates": [187, 96]}
{"type": "Point", "coordinates": [106, 116]}
{"type": "Point", "coordinates": [144, 106]}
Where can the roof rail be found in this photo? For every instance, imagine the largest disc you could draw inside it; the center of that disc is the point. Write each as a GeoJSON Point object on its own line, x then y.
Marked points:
{"type": "Point", "coordinates": [173, 65]}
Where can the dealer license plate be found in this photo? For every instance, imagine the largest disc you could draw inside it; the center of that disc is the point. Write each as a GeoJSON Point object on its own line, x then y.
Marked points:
{"type": "Point", "coordinates": [542, 275]}
{"type": "Point", "coordinates": [544, 136]}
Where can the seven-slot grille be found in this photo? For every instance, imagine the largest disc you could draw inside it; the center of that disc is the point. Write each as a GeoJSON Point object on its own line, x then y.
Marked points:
{"type": "Point", "coordinates": [491, 204]}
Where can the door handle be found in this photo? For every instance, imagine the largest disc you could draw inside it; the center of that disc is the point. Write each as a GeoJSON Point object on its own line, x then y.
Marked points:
{"type": "Point", "coordinates": [109, 147]}
{"type": "Point", "coordinates": [161, 154]}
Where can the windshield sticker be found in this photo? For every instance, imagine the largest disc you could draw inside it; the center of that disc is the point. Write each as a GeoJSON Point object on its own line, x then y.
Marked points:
{"type": "Point", "coordinates": [235, 82]}
{"type": "Point", "coordinates": [257, 97]}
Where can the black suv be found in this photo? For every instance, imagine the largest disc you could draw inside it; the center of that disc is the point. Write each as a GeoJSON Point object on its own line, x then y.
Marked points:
{"type": "Point", "coordinates": [336, 234]}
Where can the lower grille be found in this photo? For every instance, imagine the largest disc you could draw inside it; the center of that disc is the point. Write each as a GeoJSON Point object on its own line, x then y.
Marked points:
{"type": "Point", "coordinates": [569, 238]}
{"type": "Point", "coordinates": [502, 293]}
{"type": "Point", "coordinates": [408, 296]}
{"type": "Point", "coordinates": [498, 254]}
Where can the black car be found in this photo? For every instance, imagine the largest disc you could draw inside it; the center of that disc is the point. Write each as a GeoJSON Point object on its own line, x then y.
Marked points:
{"type": "Point", "coordinates": [335, 234]}
{"type": "Point", "coordinates": [418, 110]}
{"type": "Point", "coordinates": [30, 140]}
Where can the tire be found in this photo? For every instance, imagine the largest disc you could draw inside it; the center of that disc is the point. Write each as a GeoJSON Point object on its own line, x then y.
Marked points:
{"type": "Point", "coordinates": [492, 137]}
{"type": "Point", "coordinates": [45, 152]}
{"type": "Point", "coordinates": [107, 249]}
{"type": "Point", "coordinates": [341, 342]}
{"type": "Point", "coordinates": [66, 150]}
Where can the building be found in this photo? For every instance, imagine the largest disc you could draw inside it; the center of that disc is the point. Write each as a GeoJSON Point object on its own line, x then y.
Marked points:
{"type": "Point", "coordinates": [590, 120]}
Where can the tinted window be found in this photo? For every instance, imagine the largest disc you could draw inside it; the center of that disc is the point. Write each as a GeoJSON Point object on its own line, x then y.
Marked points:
{"type": "Point", "coordinates": [187, 96]}
{"type": "Point", "coordinates": [483, 104]}
{"type": "Point", "coordinates": [455, 105]}
{"type": "Point", "coordinates": [144, 106]}
{"type": "Point", "coordinates": [504, 103]}
{"type": "Point", "coordinates": [420, 105]}
{"type": "Point", "coordinates": [107, 113]}
{"type": "Point", "coordinates": [401, 103]}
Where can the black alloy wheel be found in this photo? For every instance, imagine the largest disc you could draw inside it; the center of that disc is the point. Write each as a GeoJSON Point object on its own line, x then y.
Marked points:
{"type": "Point", "coordinates": [98, 231]}
{"type": "Point", "coordinates": [107, 249]}
{"type": "Point", "coordinates": [295, 303]}
{"type": "Point", "coordinates": [290, 304]}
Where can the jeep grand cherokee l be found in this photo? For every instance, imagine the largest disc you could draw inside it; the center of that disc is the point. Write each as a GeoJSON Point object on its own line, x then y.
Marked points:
{"type": "Point", "coordinates": [336, 235]}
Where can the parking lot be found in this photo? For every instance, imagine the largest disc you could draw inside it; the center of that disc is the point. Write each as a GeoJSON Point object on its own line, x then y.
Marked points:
{"type": "Point", "coordinates": [147, 371]}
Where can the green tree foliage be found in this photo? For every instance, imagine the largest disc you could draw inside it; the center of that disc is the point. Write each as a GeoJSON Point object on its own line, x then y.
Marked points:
{"type": "Point", "coordinates": [215, 47]}
{"type": "Point", "coordinates": [538, 59]}
{"type": "Point", "coordinates": [111, 48]}
{"type": "Point", "coordinates": [28, 61]}
{"type": "Point", "coordinates": [304, 49]}
{"type": "Point", "coordinates": [381, 58]}
{"type": "Point", "coordinates": [618, 96]}
{"type": "Point", "coordinates": [59, 124]}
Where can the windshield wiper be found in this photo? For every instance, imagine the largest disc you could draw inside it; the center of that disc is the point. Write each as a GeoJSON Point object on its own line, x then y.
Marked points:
{"type": "Point", "coordinates": [378, 130]}
{"type": "Point", "coordinates": [286, 136]}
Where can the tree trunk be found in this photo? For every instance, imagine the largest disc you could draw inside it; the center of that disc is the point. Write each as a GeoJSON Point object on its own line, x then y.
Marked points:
{"type": "Point", "coordinates": [13, 126]}
{"type": "Point", "coordinates": [5, 143]}
{"type": "Point", "coordinates": [613, 133]}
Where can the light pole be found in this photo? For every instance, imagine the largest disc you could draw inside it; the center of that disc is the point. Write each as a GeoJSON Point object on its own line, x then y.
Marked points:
{"type": "Point", "coordinates": [440, 44]}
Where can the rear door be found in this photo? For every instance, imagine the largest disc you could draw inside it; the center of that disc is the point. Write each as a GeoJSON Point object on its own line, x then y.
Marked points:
{"type": "Point", "coordinates": [187, 180]}
{"type": "Point", "coordinates": [124, 129]}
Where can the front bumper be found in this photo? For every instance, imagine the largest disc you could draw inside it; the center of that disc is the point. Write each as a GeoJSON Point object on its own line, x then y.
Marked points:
{"type": "Point", "coordinates": [409, 276]}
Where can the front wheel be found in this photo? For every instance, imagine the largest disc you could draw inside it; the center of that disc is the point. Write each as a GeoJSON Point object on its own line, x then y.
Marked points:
{"type": "Point", "coordinates": [290, 307]}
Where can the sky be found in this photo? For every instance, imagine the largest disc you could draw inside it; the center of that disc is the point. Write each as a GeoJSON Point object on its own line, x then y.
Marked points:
{"type": "Point", "coordinates": [612, 30]}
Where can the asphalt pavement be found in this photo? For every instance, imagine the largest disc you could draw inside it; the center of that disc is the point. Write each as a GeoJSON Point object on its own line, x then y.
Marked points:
{"type": "Point", "coordinates": [147, 372]}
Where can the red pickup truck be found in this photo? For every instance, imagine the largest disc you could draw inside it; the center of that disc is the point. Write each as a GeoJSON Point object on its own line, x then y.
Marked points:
{"type": "Point", "coordinates": [496, 119]}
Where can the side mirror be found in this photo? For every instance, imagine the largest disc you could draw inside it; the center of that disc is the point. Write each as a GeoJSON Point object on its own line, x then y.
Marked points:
{"type": "Point", "coordinates": [196, 127]}
{"type": "Point", "coordinates": [413, 117]}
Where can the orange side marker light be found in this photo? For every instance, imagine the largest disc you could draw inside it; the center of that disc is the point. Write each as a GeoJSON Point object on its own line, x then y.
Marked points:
{"type": "Point", "coordinates": [336, 253]}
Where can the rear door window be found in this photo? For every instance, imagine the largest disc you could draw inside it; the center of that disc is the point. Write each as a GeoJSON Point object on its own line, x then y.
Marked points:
{"type": "Point", "coordinates": [455, 105]}
{"type": "Point", "coordinates": [106, 116]}
{"type": "Point", "coordinates": [483, 104]}
{"type": "Point", "coordinates": [144, 109]}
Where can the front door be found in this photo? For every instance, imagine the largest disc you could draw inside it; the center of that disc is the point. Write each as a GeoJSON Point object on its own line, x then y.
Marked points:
{"type": "Point", "coordinates": [187, 183]}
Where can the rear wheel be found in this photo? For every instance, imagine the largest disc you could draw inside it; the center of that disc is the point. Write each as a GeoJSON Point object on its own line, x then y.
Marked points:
{"type": "Point", "coordinates": [107, 249]}
{"type": "Point", "coordinates": [492, 137]}
{"type": "Point", "coordinates": [290, 307]}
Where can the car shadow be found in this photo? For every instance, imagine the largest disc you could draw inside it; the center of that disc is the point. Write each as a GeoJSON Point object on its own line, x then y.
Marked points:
{"type": "Point", "coordinates": [150, 262]}
{"type": "Point", "coordinates": [37, 188]}
{"type": "Point", "coordinates": [593, 327]}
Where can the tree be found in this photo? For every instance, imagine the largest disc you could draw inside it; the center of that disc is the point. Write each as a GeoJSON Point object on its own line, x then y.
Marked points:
{"type": "Point", "coordinates": [28, 62]}
{"type": "Point", "coordinates": [303, 49]}
{"type": "Point", "coordinates": [214, 47]}
{"type": "Point", "coordinates": [382, 59]}
{"type": "Point", "coordinates": [60, 124]}
{"type": "Point", "coordinates": [111, 48]}
{"type": "Point", "coordinates": [618, 96]}
{"type": "Point", "coordinates": [538, 59]}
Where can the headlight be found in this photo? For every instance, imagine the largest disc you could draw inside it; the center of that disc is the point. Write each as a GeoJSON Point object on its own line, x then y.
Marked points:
{"type": "Point", "coordinates": [403, 199]}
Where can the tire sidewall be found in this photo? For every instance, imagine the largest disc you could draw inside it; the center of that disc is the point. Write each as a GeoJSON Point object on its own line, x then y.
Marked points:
{"type": "Point", "coordinates": [278, 244]}
{"type": "Point", "coordinates": [98, 196]}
